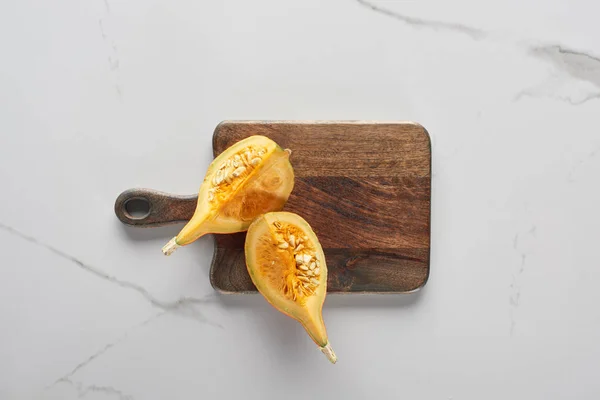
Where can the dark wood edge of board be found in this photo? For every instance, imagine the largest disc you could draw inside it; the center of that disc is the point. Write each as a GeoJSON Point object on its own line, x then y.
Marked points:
{"type": "Point", "coordinates": [224, 123]}
{"type": "Point", "coordinates": [423, 130]}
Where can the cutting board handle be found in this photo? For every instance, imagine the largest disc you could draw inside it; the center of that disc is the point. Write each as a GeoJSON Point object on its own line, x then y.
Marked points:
{"type": "Point", "coordinates": [150, 208]}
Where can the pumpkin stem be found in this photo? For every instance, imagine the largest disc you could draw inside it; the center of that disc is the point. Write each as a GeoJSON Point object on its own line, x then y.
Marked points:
{"type": "Point", "coordinates": [170, 247]}
{"type": "Point", "coordinates": [328, 351]}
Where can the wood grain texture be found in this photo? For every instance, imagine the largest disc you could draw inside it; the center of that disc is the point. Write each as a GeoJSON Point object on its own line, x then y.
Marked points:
{"type": "Point", "coordinates": [364, 187]}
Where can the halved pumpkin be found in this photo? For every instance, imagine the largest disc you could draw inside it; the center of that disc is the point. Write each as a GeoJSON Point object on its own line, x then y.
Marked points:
{"type": "Point", "coordinates": [287, 265]}
{"type": "Point", "coordinates": [252, 177]}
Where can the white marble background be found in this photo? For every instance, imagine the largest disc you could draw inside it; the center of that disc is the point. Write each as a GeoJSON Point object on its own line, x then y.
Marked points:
{"type": "Point", "coordinates": [99, 96]}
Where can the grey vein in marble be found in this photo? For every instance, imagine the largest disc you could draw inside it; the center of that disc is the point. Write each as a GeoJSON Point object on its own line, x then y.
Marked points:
{"type": "Point", "coordinates": [191, 312]}
{"type": "Point", "coordinates": [573, 171]}
{"type": "Point", "coordinates": [578, 64]}
{"type": "Point", "coordinates": [113, 58]}
{"type": "Point", "coordinates": [186, 312]}
{"type": "Point", "coordinates": [571, 66]}
{"type": "Point", "coordinates": [473, 33]}
{"type": "Point", "coordinates": [104, 349]}
{"type": "Point", "coordinates": [87, 361]}
{"type": "Point", "coordinates": [515, 286]}
{"type": "Point", "coordinates": [108, 390]}
{"type": "Point", "coordinates": [183, 306]}
{"type": "Point", "coordinates": [167, 306]}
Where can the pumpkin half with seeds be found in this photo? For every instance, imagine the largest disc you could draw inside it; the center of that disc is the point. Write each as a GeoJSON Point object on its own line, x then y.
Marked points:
{"type": "Point", "coordinates": [286, 263]}
{"type": "Point", "coordinates": [251, 177]}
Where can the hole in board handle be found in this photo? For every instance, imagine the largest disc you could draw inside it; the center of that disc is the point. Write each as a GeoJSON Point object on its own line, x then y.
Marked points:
{"type": "Point", "coordinates": [136, 208]}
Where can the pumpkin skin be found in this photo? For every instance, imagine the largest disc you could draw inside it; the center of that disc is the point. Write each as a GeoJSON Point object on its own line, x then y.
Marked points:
{"type": "Point", "coordinates": [250, 178]}
{"type": "Point", "coordinates": [287, 265]}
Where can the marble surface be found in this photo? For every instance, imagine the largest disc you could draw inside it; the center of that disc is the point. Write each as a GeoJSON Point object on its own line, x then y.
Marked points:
{"type": "Point", "coordinates": [99, 96]}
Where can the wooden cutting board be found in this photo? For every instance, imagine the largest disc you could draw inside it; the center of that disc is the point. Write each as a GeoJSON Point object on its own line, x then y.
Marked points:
{"type": "Point", "coordinates": [364, 187]}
